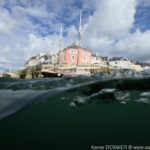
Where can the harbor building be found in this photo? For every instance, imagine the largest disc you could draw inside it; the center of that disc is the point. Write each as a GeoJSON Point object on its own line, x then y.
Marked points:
{"type": "Point", "coordinates": [41, 59]}
{"type": "Point", "coordinates": [121, 63]}
{"type": "Point", "coordinates": [146, 66]}
{"type": "Point", "coordinates": [75, 55]}
{"type": "Point", "coordinates": [99, 60]}
{"type": "Point", "coordinates": [36, 60]}
{"type": "Point", "coordinates": [31, 62]}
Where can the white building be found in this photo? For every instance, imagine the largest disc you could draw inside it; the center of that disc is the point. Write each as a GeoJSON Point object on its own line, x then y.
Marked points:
{"type": "Point", "coordinates": [121, 63]}
{"type": "Point", "coordinates": [94, 59]}
{"type": "Point", "coordinates": [42, 58]}
{"type": "Point", "coordinates": [31, 62]}
{"type": "Point", "coordinates": [146, 66]}
{"type": "Point", "coordinates": [99, 60]}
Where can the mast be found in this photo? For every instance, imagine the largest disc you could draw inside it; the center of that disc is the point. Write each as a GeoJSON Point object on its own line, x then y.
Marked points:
{"type": "Point", "coordinates": [61, 37]}
{"type": "Point", "coordinates": [60, 42]}
{"type": "Point", "coordinates": [80, 35]}
{"type": "Point", "coordinates": [80, 28]}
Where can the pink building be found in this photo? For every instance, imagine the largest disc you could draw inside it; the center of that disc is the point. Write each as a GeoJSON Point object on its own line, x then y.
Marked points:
{"type": "Point", "coordinates": [75, 55]}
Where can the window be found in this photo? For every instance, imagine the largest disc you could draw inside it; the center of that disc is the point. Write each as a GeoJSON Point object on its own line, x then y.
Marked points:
{"type": "Point", "coordinates": [85, 59]}
{"type": "Point", "coordinates": [72, 51]}
{"type": "Point", "coordinates": [72, 57]}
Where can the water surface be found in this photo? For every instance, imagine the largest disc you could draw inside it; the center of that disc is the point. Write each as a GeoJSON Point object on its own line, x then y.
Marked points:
{"type": "Point", "coordinates": [74, 113]}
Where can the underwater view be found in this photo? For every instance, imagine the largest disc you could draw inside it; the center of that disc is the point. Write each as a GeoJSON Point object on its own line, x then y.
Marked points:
{"type": "Point", "coordinates": [74, 112]}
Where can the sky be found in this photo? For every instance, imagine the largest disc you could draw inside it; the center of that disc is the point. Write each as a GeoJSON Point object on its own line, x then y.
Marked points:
{"type": "Point", "coordinates": [110, 28]}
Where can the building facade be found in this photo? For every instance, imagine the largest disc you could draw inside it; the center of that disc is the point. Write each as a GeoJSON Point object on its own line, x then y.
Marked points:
{"type": "Point", "coordinates": [41, 58]}
{"type": "Point", "coordinates": [31, 62]}
{"type": "Point", "coordinates": [75, 55]}
{"type": "Point", "coordinates": [121, 63]}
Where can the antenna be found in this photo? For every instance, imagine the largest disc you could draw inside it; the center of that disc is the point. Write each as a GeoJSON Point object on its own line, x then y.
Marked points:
{"type": "Point", "coordinates": [80, 28]}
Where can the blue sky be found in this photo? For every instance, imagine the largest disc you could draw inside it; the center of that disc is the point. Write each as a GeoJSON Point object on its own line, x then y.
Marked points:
{"type": "Point", "coordinates": [142, 18]}
{"type": "Point", "coordinates": [110, 27]}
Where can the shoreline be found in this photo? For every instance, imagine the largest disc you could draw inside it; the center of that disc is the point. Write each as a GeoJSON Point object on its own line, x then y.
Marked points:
{"type": "Point", "coordinates": [47, 70]}
{"type": "Point", "coordinates": [37, 71]}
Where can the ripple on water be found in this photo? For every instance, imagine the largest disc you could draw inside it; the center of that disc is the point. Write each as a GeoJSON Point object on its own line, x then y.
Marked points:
{"type": "Point", "coordinates": [143, 100]}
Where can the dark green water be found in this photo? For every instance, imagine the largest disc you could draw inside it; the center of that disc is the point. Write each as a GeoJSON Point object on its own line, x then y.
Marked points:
{"type": "Point", "coordinates": [54, 124]}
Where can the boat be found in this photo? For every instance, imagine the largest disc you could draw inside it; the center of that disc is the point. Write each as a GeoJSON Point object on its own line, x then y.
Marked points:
{"type": "Point", "coordinates": [51, 74]}
{"type": "Point", "coordinates": [6, 75]}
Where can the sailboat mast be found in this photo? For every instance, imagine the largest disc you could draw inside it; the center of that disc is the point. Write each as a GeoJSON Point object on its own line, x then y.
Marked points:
{"type": "Point", "coordinates": [80, 28]}
{"type": "Point", "coordinates": [60, 42]}
{"type": "Point", "coordinates": [61, 37]}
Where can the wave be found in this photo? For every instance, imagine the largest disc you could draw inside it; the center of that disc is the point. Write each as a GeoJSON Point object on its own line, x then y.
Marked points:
{"type": "Point", "coordinates": [13, 101]}
{"type": "Point", "coordinates": [18, 94]}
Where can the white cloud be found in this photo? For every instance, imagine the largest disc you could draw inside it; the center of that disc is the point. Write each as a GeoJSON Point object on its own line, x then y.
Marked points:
{"type": "Point", "coordinates": [37, 45]}
{"type": "Point", "coordinates": [72, 35]}
{"type": "Point", "coordinates": [35, 11]}
{"type": "Point", "coordinates": [51, 43]}
{"type": "Point", "coordinates": [112, 18]}
{"type": "Point", "coordinates": [136, 46]}
{"type": "Point", "coordinates": [6, 22]}
{"type": "Point", "coordinates": [108, 31]}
